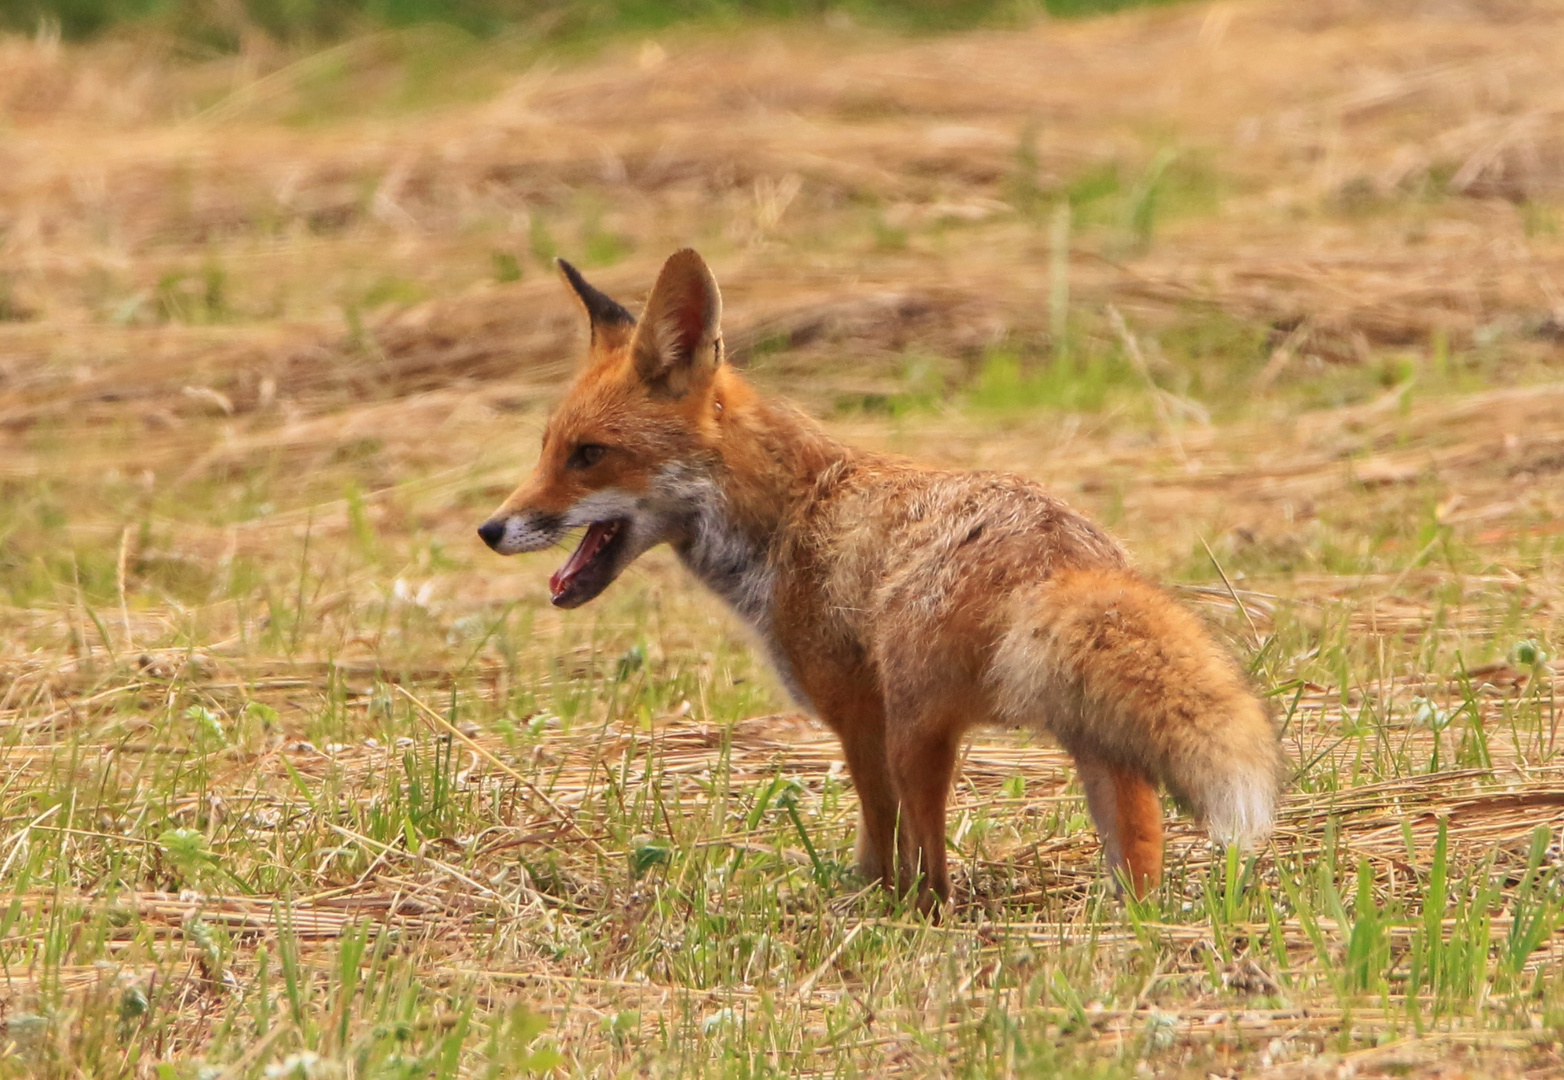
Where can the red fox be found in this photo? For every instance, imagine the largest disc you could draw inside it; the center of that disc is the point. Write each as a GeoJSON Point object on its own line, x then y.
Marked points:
{"type": "Point", "coordinates": [901, 604]}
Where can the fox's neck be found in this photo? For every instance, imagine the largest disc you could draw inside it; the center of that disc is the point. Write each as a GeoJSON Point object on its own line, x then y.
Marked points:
{"type": "Point", "coordinates": [770, 460]}
{"type": "Point", "coordinates": [773, 460]}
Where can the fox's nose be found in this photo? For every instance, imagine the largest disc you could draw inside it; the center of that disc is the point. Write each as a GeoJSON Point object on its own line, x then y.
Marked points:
{"type": "Point", "coordinates": [492, 532]}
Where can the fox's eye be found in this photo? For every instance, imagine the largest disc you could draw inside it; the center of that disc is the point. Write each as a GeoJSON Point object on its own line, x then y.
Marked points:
{"type": "Point", "coordinates": [586, 455]}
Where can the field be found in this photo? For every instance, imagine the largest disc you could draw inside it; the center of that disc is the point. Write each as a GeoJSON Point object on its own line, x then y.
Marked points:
{"type": "Point", "coordinates": [301, 781]}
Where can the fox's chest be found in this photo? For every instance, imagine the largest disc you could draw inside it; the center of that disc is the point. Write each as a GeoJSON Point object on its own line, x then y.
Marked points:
{"type": "Point", "coordinates": [740, 570]}
{"type": "Point", "coordinates": [730, 564]}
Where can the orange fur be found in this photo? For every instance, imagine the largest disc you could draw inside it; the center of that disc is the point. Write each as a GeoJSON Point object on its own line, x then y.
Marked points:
{"type": "Point", "coordinates": [901, 604]}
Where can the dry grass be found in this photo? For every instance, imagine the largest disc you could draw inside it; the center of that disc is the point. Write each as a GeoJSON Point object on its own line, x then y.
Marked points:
{"type": "Point", "coordinates": [294, 768]}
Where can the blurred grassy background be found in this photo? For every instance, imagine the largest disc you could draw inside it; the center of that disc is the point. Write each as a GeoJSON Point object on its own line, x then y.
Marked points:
{"type": "Point", "coordinates": [223, 24]}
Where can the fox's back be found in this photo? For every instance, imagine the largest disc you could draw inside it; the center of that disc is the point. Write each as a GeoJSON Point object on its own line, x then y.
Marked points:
{"type": "Point", "coordinates": [888, 551]}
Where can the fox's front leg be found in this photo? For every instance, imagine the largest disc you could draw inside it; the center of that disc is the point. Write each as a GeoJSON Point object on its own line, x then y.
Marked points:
{"type": "Point", "coordinates": [922, 753]}
{"type": "Point", "coordinates": [876, 849]}
{"type": "Point", "coordinates": [859, 721]}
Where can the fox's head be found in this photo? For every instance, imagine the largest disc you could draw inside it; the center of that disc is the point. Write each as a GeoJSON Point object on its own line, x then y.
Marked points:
{"type": "Point", "coordinates": [637, 425]}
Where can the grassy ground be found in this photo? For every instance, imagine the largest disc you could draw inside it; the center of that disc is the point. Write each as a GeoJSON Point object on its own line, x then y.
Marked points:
{"type": "Point", "coordinates": [301, 781]}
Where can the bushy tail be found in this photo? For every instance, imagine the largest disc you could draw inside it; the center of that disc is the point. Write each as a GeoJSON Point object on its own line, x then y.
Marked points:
{"type": "Point", "coordinates": [1120, 672]}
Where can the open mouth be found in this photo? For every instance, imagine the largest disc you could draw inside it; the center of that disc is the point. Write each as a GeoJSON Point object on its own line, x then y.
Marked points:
{"type": "Point", "coordinates": [592, 566]}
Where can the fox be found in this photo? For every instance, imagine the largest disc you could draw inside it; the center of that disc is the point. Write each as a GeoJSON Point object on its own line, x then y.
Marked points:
{"type": "Point", "coordinates": [899, 604]}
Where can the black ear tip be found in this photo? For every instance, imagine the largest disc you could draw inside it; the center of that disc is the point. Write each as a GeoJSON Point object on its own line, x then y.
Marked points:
{"type": "Point", "coordinates": [601, 309]}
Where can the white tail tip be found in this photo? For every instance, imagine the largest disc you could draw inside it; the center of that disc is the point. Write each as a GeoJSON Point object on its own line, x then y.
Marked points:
{"type": "Point", "coordinates": [1240, 812]}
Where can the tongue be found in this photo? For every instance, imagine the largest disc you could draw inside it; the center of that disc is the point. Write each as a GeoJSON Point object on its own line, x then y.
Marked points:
{"type": "Point", "coordinates": [596, 536]}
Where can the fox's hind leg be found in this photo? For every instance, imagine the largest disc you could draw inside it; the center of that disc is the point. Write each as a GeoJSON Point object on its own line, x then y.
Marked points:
{"type": "Point", "coordinates": [1128, 814]}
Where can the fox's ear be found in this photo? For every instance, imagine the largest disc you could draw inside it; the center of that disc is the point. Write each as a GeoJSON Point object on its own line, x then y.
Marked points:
{"type": "Point", "coordinates": [678, 344]}
{"type": "Point", "coordinates": [611, 323]}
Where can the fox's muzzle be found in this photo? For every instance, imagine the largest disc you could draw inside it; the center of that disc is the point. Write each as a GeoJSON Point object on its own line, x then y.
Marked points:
{"type": "Point", "coordinates": [511, 534]}
{"type": "Point", "coordinates": [492, 532]}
